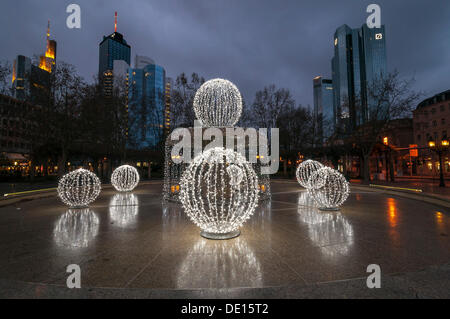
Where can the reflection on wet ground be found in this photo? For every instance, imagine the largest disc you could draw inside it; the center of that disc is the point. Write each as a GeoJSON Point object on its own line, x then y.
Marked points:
{"type": "Point", "coordinates": [134, 240]}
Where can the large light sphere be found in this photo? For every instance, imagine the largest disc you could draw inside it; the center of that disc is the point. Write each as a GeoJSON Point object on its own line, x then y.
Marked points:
{"type": "Point", "coordinates": [79, 188]}
{"type": "Point", "coordinates": [334, 189]}
{"type": "Point", "coordinates": [305, 170]}
{"type": "Point", "coordinates": [125, 178]}
{"type": "Point", "coordinates": [219, 192]}
{"type": "Point", "coordinates": [218, 103]}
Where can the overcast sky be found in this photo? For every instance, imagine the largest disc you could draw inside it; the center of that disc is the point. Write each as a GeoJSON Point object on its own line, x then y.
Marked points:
{"type": "Point", "coordinates": [253, 43]}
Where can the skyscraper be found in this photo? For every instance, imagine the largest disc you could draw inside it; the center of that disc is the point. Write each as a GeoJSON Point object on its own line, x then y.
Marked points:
{"type": "Point", "coordinates": [168, 97]}
{"type": "Point", "coordinates": [146, 105]}
{"type": "Point", "coordinates": [47, 60]}
{"type": "Point", "coordinates": [359, 60]}
{"type": "Point", "coordinates": [32, 82]}
{"type": "Point", "coordinates": [323, 108]}
{"type": "Point", "coordinates": [113, 47]}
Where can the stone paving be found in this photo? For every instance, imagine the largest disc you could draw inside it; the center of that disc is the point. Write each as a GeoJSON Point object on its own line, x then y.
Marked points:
{"type": "Point", "coordinates": [288, 249]}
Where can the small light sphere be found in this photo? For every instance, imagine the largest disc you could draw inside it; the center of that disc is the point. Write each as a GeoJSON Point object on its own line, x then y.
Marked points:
{"type": "Point", "coordinates": [219, 192]}
{"type": "Point", "coordinates": [79, 188]}
{"type": "Point", "coordinates": [304, 172]}
{"type": "Point", "coordinates": [218, 103]}
{"type": "Point", "coordinates": [125, 178]}
{"type": "Point", "coordinates": [334, 189]}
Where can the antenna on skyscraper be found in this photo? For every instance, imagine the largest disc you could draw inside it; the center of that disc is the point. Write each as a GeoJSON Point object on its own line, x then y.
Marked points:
{"type": "Point", "coordinates": [115, 21]}
{"type": "Point", "coordinates": [48, 29]}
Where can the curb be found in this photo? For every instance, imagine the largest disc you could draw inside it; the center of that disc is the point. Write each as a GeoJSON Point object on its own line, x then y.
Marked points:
{"type": "Point", "coordinates": [424, 197]}
{"type": "Point", "coordinates": [45, 194]}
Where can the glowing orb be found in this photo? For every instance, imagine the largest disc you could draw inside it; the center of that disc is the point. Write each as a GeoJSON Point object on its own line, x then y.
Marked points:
{"type": "Point", "coordinates": [219, 192]}
{"type": "Point", "coordinates": [79, 188]}
{"type": "Point", "coordinates": [125, 178]}
{"type": "Point", "coordinates": [218, 103]}
{"type": "Point", "coordinates": [334, 189]}
{"type": "Point", "coordinates": [305, 170]}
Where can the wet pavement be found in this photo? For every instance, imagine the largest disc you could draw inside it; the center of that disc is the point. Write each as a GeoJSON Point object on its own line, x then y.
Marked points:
{"type": "Point", "coordinates": [134, 241]}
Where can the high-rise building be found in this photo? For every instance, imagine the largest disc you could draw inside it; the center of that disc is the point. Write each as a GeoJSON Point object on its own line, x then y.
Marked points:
{"type": "Point", "coordinates": [120, 73]}
{"type": "Point", "coordinates": [168, 99]}
{"type": "Point", "coordinates": [47, 60]}
{"type": "Point", "coordinates": [359, 61]}
{"type": "Point", "coordinates": [113, 47]}
{"type": "Point", "coordinates": [31, 82]}
{"type": "Point", "coordinates": [146, 106]}
{"type": "Point", "coordinates": [323, 108]}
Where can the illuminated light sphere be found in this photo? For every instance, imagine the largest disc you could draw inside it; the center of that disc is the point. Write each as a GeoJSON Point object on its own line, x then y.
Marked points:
{"type": "Point", "coordinates": [79, 188]}
{"type": "Point", "coordinates": [125, 178]}
{"type": "Point", "coordinates": [333, 191]}
{"type": "Point", "coordinates": [76, 228]}
{"type": "Point", "coordinates": [124, 209]}
{"type": "Point", "coordinates": [218, 103]}
{"type": "Point", "coordinates": [219, 192]}
{"type": "Point", "coordinates": [236, 174]}
{"type": "Point", "coordinates": [305, 170]}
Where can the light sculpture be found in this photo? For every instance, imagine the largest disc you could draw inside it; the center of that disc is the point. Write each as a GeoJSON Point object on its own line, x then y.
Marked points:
{"type": "Point", "coordinates": [123, 209]}
{"type": "Point", "coordinates": [125, 178]}
{"type": "Point", "coordinates": [305, 170]}
{"type": "Point", "coordinates": [218, 103]}
{"type": "Point", "coordinates": [79, 188]}
{"type": "Point", "coordinates": [330, 188]}
{"type": "Point", "coordinates": [219, 192]}
{"type": "Point", "coordinates": [76, 228]}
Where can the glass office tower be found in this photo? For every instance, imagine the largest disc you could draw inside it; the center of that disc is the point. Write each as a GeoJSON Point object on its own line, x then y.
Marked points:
{"type": "Point", "coordinates": [359, 60]}
{"type": "Point", "coordinates": [146, 105]}
{"type": "Point", "coordinates": [323, 109]}
{"type": "Point", "coordinates": [113, 47]}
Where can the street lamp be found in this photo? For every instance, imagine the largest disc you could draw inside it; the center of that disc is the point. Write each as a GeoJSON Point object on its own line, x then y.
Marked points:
{"type": "Point", "coordinates": [440, 149]}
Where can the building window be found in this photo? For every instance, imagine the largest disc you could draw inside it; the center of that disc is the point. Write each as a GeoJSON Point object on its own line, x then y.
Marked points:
{"type": "Point", "coordinates": [442, 108]}
{"type": "Point", "coordinates": [443, 121]}
{"type": "Point", "coordinates": [434, 123]}
{"type": "Point", "coordinates": [433, 110]}
{"type": "Point", "coordinates": [418, 137]}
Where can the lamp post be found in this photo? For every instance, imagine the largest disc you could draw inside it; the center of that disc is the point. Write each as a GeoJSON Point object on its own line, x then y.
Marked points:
{"type": "Point", "coordinates": [440, 149]}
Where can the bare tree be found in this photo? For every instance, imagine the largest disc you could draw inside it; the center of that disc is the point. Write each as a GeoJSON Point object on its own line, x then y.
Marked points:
{"type": "Point", "coordinates": [182, 100]}
{"type": "Point", "coordinates": [389, 98]}
{"type": "Point", "coordinates": [269, 104]}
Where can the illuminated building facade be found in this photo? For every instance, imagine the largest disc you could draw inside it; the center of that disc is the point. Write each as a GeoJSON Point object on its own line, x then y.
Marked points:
{"type": "Point", "coordinates": [113, 47]}
{"type": "Point", "coordinates": [31, 82]}
{"type": "Point", "coordinates": [168, 97]}
{"type": "Point", "coordinates": [323, 108]}
{"type": "Point", "coordinates": [146, 106]}
{"type": "Point", "coordinates": [359, 60]}
{"type": "Point", "coordinates": [47, 61]}
{"type": "Point", "coordinates": [431, 122]}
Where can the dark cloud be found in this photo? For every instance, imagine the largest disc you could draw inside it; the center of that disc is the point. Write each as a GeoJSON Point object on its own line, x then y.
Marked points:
{"type": "Point", "coordinates": [251, 42]}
